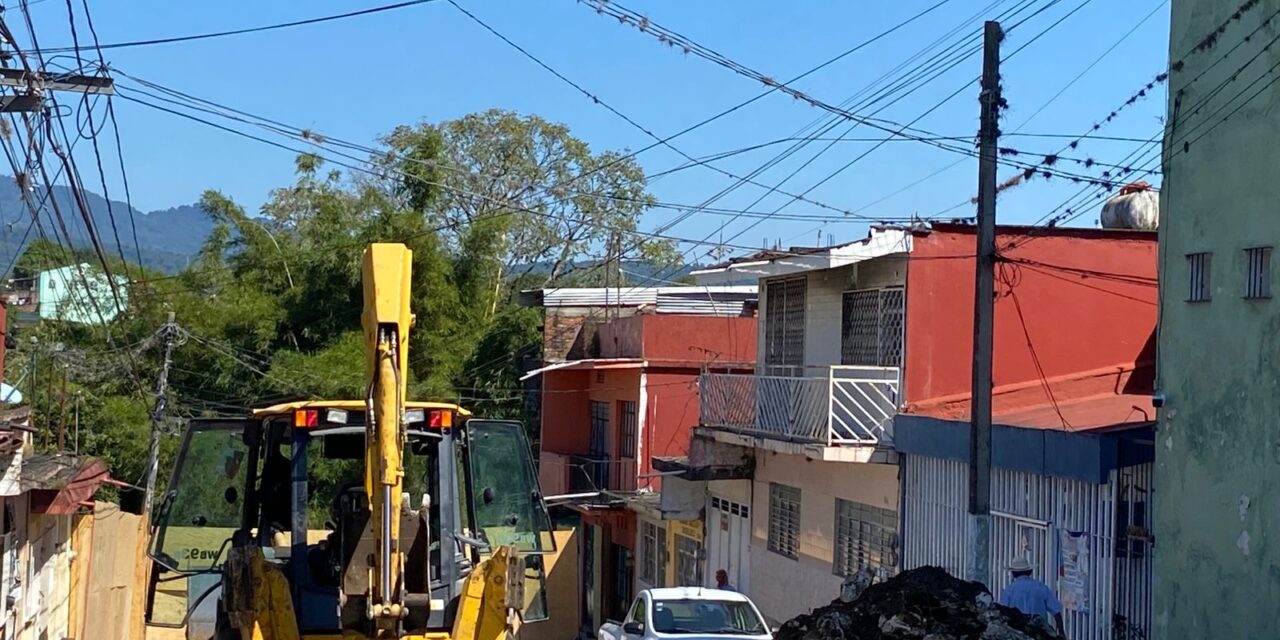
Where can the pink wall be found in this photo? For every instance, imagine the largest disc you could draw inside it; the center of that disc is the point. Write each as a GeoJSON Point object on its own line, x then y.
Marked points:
{"type": "Point", "coordinates": [1077, 322]}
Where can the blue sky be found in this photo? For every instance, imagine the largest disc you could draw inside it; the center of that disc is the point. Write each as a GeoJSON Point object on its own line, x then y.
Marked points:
{"type": "Point", "coordinates": [359, 77]}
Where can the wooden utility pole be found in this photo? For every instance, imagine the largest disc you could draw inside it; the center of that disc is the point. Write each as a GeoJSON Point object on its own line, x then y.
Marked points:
{"type": "Point", "coordinates": [169, 332]}
{"type": "Point", "coordinates": [979, 533]}
{"type": "Point", "coordinates": [62, 413]}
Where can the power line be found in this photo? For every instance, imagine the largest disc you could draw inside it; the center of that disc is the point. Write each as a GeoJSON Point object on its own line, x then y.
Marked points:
{"type": "Point", "coordinates": [597, 100]}
{"type": "Point", "coordinates": [236, 32]}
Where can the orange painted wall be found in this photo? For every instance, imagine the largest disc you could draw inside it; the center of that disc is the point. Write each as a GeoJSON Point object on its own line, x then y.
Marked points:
{"type": "Point", "coordinates": [699, 338]}
{"type": "Point", "coordinates": [565, 424]}
{"type": "Point", "coordinates": [680, 337]}
{"type": "Point", "coordinates": [1076, 322]}
{"type": "Point", "coordinates": [671, 413]}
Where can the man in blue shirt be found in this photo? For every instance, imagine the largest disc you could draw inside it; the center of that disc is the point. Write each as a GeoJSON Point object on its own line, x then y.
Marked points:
{"type": "Point", "coordinates": [722, 581]}
{"type": "Point", "coordinates": [1030, 596]}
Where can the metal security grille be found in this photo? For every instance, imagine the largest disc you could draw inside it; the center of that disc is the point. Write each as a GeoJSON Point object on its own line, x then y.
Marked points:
{"type": "Point", "coordinates": [1198, 265]}
{"type": "Point", "coordinates": [784, 322]}
{"type": "Point", "coordinates": [871, 327]}
{"type": "Point", "coordinates": [1258, 275]}
{"type": "Point", "coordinates": [784, 520]}
{"type": "Point", "coordinates": [627, 409]}
{"type": "Point", "coordinates": [866, 538]}
{"type": "Point", "coordinates": [649, 553]}
{"type": "Point", "coordinates": [687, 552]}
{"type": "Point", "coordinates": [600, 428]}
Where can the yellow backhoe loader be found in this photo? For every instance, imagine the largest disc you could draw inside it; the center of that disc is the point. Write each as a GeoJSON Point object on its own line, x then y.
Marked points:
{"type": "Point", "coordinates": [353, 519]}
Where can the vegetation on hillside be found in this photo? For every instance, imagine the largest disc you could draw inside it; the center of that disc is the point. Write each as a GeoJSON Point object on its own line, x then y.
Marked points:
{"type": "Point", "coordinates": [271, 305]}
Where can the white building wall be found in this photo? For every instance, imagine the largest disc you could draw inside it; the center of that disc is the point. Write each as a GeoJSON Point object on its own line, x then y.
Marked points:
{"type": "Point", "coordinates": [824, 304]}
{"type": "Point", "coordinates": [783, 587]}
{"type": "Point", "coordinates": [728, 538]}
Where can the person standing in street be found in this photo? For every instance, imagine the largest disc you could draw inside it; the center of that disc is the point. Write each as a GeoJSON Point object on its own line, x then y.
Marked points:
{"type": "Point", "coordinates": [722, 581]}
{"type": "Point", "coordinates": [1032, 597]}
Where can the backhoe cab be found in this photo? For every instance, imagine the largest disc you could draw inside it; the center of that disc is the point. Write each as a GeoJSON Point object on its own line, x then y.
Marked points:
{"type": "Point", "coordinates": [352, 519]}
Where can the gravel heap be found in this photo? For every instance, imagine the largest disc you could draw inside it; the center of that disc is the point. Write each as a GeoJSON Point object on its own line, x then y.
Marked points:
{"type": "Point", "coordinates": [920, 604]}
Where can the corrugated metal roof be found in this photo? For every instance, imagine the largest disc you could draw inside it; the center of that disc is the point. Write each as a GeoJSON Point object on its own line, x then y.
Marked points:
{"type": "Point", "coordinates": [703, 300]}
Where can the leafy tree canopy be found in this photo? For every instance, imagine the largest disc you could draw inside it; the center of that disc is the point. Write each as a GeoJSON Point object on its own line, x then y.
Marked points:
{"type": "Point", "coordinates": [488, 203]}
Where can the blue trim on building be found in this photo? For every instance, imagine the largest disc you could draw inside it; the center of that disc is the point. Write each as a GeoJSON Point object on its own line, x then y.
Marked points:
{"type": "Point", "coordinates": [1084, 456]}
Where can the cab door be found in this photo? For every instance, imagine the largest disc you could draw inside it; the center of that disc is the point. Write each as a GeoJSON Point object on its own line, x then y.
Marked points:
{"type": "Point", "coordinates": [507, 504]}
{"type": "Point", "coordinates": [195, 517]}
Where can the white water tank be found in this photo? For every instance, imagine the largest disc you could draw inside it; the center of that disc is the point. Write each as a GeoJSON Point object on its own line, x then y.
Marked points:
{"type": "Point", "coordinates": [1135, 207]}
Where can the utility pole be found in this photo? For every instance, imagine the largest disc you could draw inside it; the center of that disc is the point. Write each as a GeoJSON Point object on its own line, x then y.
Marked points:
{"type": "Point", "coordinates": [169, 331]}
{"type": "Point", "coordinates": [77, 433]}
{"type": "Point", "coordinates": [979, 533]}
{"type": "Point", "coordinates": [62, 412]}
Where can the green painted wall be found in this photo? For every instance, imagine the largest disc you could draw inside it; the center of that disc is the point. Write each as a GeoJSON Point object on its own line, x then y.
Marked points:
{"type": "Point", "coordinates": [1217, 499]}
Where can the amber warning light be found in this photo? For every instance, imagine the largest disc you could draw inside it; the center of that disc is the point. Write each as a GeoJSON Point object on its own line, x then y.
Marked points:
{"type": "Point", "coordinates": [432, 419]}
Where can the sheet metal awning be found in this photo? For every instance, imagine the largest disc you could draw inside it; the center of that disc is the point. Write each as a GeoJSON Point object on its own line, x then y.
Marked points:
{"type": "Point", "coordinates": [591, 363]}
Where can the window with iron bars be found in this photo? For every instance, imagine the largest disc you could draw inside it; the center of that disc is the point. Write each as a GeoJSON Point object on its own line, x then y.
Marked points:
{"type": "Point", "coordinates": [599, 428]}
{"type": "Point", "coordinates": [653, 554]}
{"type": "Point", "coordinates": [687, 551]}
{"type": "Point", "coordinates": [627, 410]}
{"type": "Point", "coordinates": [784, 520]}
{"type": "Point", "coordinates": [1258, 273]}
{"type": "Point", "coordinates": [784, 322]}
{"type": "Point", "coordinates": [1198, 270]}
{"type": "Point", "coordinates": [871, 327]}
{"type": "Point", "coordinates": [866, 538]}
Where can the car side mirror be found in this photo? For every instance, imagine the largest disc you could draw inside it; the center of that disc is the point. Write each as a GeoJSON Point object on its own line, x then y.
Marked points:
{"type": "Point", "coordinates": [633, 628]}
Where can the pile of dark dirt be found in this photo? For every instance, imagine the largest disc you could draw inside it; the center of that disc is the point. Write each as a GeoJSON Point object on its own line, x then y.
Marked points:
{"type": "Point", "coordinates": [921, 604]}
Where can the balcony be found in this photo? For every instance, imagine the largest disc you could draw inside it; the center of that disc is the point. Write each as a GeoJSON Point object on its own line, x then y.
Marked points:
{"type": "Point", "coordinates": [586, 473]}
{"type": "Point", "coordinates": [829, 406]}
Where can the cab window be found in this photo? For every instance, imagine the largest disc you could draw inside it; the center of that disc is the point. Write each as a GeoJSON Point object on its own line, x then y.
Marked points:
{"type": "Point", "coordinates": [508, 505]}
{"type": "Point", "coordinates": [195, 518]}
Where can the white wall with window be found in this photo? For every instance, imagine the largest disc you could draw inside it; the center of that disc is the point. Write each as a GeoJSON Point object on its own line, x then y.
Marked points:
{"type": "Point", "coordinates": [803, 540]}
{"type": "Point", "coordinates": [803, 316]}
{"type": "Point", "coordinates": [651, 556]}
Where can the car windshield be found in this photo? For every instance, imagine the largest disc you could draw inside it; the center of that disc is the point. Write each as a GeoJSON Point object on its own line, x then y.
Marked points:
{"type": "Point", "coordinates": [706, 616]}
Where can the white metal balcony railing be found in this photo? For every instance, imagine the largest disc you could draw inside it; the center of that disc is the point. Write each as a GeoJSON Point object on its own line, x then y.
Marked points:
{"type": "Point", "coordinates": [830, 405]}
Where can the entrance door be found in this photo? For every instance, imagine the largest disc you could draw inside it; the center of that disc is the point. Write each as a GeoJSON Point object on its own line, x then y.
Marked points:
{"type": "Point", "coordinates": [728, 541]}
{"type": "Point", "coordinates": [1014, 537]}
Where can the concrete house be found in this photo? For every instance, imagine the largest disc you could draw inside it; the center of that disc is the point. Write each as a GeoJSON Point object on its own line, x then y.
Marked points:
{"type": "Point", "coordinates": [1218, 447]}
{"type": "Point", "coordinates": [619, 388]}
{"type": "Point", "coordinates": [798, 462]}
{"type": "Point", "coordinates": [80, 293]}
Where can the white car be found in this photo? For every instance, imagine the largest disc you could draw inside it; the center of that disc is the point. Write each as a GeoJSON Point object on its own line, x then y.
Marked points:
{"type": "Point", "coordinates": [689, 613]}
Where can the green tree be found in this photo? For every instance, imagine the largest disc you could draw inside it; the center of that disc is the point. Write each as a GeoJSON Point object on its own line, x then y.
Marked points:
{"type": "Point", "coordinates": [488, 203]}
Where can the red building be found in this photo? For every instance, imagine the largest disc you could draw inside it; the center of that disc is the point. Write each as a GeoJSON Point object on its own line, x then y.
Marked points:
{"type": "Point", "coordinates": [858, 339]}
{"type": "Point", "coordinates": [632, 396]}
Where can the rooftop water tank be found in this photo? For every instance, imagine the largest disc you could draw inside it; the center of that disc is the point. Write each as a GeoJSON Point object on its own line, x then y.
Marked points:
{"type": "Point", "coordinates": [1135, 207]}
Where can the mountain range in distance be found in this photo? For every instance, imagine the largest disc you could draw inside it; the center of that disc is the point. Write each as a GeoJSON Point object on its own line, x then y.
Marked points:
{"type": "Point", "coordinates": [167, 239]}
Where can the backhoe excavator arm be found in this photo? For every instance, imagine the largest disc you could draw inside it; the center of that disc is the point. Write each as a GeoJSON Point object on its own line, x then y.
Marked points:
{"type": "Point", "coordinates": [387, 274]}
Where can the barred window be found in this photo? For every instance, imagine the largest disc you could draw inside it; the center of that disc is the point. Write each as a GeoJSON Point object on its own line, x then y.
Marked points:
{"type": "Point", "coordinates": [866, 538]}
{"type": "Point", "coordinates": [871, 327]}
{"type": "Point", "coordinates": [784, 322]}
{"type": "Point", "coordinates": [599, 428]}
{"type": "Point", "coordinates": [1258, 274]}
{"type": "Point", "coordinates": [687, 551]}
{"type": "Point", "coordinates": [1198, 268]}
{"type": "Point", "coordinates": [784, 520]}
{"type": "Point", "coordinates": [648, 553]}
{"type": "Point", "coordinates": [653, 554]}
{"type": "Point", "coordinates": [627, 409]}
